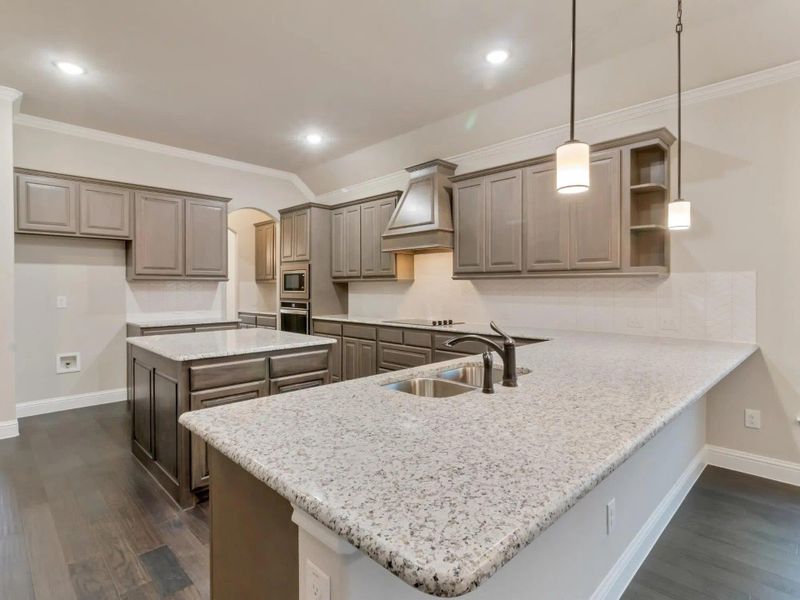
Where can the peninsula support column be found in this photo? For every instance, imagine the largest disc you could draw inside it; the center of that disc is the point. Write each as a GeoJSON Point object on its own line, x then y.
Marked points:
{"type": "Point", "coordinates": [9, 99]}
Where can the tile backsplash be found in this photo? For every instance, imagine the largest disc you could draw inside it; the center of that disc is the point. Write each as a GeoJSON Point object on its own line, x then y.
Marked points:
{"type": "Point", "coordinates": [708, 305]}
{"type": "Point", "coordinates": [167, 299]}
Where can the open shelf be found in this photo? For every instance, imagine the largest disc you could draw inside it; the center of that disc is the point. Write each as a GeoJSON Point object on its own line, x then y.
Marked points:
{"type": "Point", "coordinates": [642, 188]}
{"type": "Point", "coordinates": [648, 227]}
{"type": "Point", "coordinates": [648, 235]}
{"type": "Point", "coordinates": [648, 167]}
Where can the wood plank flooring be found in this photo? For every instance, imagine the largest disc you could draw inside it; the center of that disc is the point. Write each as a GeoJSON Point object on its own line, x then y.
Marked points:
{"type": "Point", "coordinates": [735, 537]}
{"type": "Point", "coordinates": [81, 519]}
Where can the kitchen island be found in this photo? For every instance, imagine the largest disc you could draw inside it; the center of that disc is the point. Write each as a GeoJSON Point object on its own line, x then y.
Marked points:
{"type": "Point", "coordinates": [176, 373]}
{"type": "Point", "coordinates": [444, 492]}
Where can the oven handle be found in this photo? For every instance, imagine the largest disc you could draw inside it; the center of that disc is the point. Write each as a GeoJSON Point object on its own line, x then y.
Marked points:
{"type": "Point", "coordinates": [293, 311]}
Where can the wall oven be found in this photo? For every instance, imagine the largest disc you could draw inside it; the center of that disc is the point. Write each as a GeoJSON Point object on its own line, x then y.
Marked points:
{"type": "Point", "coordinates": [295, 317]}
{"type": "Point", "coordinates": [295, 281]}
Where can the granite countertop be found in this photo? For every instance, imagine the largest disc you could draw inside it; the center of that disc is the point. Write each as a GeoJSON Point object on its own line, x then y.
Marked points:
{"type": "Point", "coordinates": [230, 342]}
{"type": "Point", "coordinates": [443, 492]}
{"type": "Point", "coordinates": [476, 328]}
{"type": "Point", "coordinates": [178, 321]}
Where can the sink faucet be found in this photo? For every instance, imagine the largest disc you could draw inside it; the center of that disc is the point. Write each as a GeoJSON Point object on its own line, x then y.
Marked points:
{"type": "Point", "coordinates": [508, 352]}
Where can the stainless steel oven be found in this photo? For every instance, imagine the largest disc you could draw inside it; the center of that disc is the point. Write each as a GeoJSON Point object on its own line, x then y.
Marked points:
{"type": "Point", "coordinates": [295, 281]}
{"type": "Point", "coordinates": [295, 317]}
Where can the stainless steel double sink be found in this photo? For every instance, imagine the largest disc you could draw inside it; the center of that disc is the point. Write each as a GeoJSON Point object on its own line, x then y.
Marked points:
{"type": "Point", "coordinates": [451, 382]}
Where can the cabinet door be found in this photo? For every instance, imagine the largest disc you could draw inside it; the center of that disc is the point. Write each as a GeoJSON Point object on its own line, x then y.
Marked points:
{"type": "Point", "coordinates": [287, 235]}
{"type": "Point", "coordinates": [374, 218]}
{"type": "Point", "coordinates": [165, 423]}
{"type": "Point", "coordinates": [158, 242]}
{"type": "Point", "coordinates": [387, 261]}
{"type": "Point", "coordinates": [206, 238]}
{"type": "Point", "coordinates": [349, 358]}
{"type": "Point", "coordinates": [338, 267]}
{"type": "Point", "coordinates": [392, 357]}
{"type": "Point", "coordinates": [207, 399]}
{"type": "Point", "coordinates": [142, 407]}
{"type": "Point", "coordinates": [265, 251]}
{"type": "Point", "coordinates": [546, 217]}
{"type": "Point", "coordinates": [105, 210]}
{"type": "Point", "coordinates": [367, 358]}
{"type": "Point", "coordinates": [47, 204]}
{"type": "Point", "coordinates": [595, 217]}
{"type": "Point", "coordinates": [504, 221]}
{"type": "Point", "coordinates": [334, 356]}
{"type": "Point", "coordinates": [301, 235]}
{"type": "Point", "coordinates": [352, 241]}
{"type": "Point", "coordinates": [469, 222]}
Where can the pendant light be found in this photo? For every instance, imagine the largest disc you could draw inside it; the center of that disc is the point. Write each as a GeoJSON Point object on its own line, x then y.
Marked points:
{"type": "Point", "coordinates": [572, 157]}
{"type": "Point", "coordinates": [679, 211]}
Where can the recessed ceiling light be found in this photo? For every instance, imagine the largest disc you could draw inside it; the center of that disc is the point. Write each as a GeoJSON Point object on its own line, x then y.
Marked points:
{"type": "Point", "coordinates": [314, 139]}
{"type": "Point", "coordinates": [497, 57]}
{"type": "Point", "coordinates": [70, 68]}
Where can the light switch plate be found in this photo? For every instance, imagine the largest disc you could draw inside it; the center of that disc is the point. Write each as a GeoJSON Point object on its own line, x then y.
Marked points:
{"type": "Point", "coordinates": [752, 418]}
{"type": "Point", "coordinates": [318, 583]}
{"type": "Point", "coordinates": [69, 362]}
{"type": "Point", "coordinates": [61, 302]}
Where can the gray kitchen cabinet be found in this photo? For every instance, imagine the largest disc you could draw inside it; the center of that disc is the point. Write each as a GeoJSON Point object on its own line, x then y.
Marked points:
{"type": "Point", "coordinates": [358, 358]}
{"type": "Point", "coordinates": [546, 215]}
{"type": "Point", "coordinates": [104, 210]}
{"type": "Point", "coordinates": [503, 215]}
{"type": "Point", "coordinates": [338, 267]}
{"type": "Point", "coordinates": [393, 357]}
{"type": "Point", "coordinates": [469, 202]}
{"type": "Point", "coordinates": [158, 236]}
{"type": "Point", "coordinates": [595, 216]}
{"type": "Point", "coordinates": [206, 238]}
{"type": "Point", "coordinates": [335, 356]}
{"type": "Point", "coordinates": [296, 235]}
{"type": "Point", "coordinates": [346, 242]}
{"type": "Point", "coordinates": [265, 251]}
{"type": "Point", "coordinates": [375, 216]}
{"type": "Point", "coordinates": [46, 204]}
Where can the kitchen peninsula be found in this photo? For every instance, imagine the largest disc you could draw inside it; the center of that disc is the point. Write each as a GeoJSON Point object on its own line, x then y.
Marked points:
{"type": "Point", "coordinates": [443, 492]}
{"type": "Point", "coordinates": [181, 372]}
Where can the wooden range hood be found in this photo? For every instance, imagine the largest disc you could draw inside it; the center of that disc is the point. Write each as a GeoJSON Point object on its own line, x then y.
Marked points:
{"type": "Point", "coordinates": [423, 219]}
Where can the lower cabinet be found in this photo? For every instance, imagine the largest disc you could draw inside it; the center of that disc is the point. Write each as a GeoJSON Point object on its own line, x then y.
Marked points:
{"type": "Point", "coordinates": [358, 358]}
{"type": "Point", "coordinates": [291, 383]}
{"type": "Point", "coordinates": [393, 357]}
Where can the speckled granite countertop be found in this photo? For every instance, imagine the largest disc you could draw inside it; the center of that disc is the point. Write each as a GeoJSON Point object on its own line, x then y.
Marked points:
{"type": "Point", "coordinates": [443, 492]}
{"type": "Point", "coordinates": [230, 342]}
{"type": "Point", "coordinates": [177, 321]}
{"type": "Point", "coordinates": [478, 328]}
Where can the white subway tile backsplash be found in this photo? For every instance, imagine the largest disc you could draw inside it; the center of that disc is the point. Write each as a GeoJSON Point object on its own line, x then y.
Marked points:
{"type": "Point", "coordinates": [713, 305]}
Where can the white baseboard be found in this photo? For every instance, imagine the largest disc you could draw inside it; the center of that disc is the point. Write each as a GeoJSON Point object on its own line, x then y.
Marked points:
{"type": "Point", "coordinates": [49, 405]}
{"type": "Point", "coordinates": [754, 464]}
{"type": "Point", "coordinates": [621, 574]}
{"type": "Point", "coordinates": [9, 429]}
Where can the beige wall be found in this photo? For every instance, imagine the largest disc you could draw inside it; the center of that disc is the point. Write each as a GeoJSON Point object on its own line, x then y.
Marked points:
{"type": "Point", "coordinates": [7, 410]}
{"type": "Point", "coordinates": [251, 295]}
{"type": "Point", "coordinates": [740, 171]}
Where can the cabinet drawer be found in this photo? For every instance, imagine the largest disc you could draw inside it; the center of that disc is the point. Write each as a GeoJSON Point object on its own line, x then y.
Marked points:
{"type": "Point", "coordinates": [166, 330]}
{"type": "Point", "coordinates": [269, 321]}
{"type": "Point", "coordinates": [247, 319]}
{"type": "Point", "coordinates": [327, 327]}
{"type": "Point", "coordinates": [298, 382]}
{"type": "Point", "coordinates": [216, 375]}
{"type": "Point", "coordinates": [417, 338]}
{"type": "Point", "coordinates": [394, 356]}
{"type": "Point", "coordinates": [363, 332]}
{"type": "Point", "coordinates": [443, 355]}
{"type": "Point", "coordinates": [303, 362]}
{"type": "Point", "coordinates": [217, 327]}
{"type": "Point", "coordinates": [468, 347]}
{"type": "Point", "coordinates": [391, 335]}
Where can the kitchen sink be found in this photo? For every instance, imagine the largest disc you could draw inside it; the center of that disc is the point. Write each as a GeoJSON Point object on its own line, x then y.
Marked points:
{"type": "Point", "coordinates": [429, 387]}
{"type": "Point", "coordinates": [472, 375]}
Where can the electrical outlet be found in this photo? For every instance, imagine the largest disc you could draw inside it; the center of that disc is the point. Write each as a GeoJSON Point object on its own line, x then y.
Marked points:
{"type": "Point", "coordinates": [611, 515]}
{"type": "Point", "coordinates": [61, 302]}
{"type": "Point", "coordinates": [69, 362]}
{"type": "Point", "coordinates": [634, 323]}
{"type": "Point", "coordinates": [318, 583]}
{"type": "Point", "coordinates": [752, 418]}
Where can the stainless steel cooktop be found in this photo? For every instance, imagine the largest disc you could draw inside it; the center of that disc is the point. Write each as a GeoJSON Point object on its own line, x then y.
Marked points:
{"type": "Point", "coordinates": [430, 322]}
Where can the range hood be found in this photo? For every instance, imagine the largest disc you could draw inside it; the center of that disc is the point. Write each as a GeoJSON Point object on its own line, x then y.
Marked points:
{"type": "Point", "coordinates": [423, 219]}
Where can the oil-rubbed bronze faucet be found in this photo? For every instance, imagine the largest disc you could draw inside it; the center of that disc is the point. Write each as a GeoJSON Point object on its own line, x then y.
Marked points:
{"type": "Point", "coordinates": [508, 352]}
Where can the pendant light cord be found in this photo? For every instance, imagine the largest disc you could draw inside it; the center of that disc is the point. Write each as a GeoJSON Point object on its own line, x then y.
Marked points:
{"type": "Point", "coordinates": [678, 31]}
{"type": "Point", "coordinates": [572, 80]}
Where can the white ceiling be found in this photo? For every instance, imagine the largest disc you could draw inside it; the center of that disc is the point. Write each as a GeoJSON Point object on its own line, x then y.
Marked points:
{"type": "Point", "coordinates": [245, 79]}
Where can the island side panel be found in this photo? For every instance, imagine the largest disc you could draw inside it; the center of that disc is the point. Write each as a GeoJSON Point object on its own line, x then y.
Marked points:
{"type": "Point", "coordinates": [254, 551]}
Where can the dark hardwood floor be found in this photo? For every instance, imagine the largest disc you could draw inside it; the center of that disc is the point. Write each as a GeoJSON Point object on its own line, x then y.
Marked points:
{"type": "Point", "coordinates": [80, 519]}
{"type": "Point", "coordinates": [735, 537]}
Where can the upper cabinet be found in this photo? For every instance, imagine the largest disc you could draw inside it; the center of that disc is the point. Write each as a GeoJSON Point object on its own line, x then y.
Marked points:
{"type": "Point", "coordinates": [510, 221]}
{"type": "Point", "coordinates": [105, 210]}
{"type": "Point", "coordinates": [296, 235]}
{"type": "Point", "coordinates": [356, 230]}
{"type": "Point", "coordinates": [46, 205]}
{"type": "Point", "coordinates": [265, 251]}
{"type": "Point", "coordinates": [206, 238]}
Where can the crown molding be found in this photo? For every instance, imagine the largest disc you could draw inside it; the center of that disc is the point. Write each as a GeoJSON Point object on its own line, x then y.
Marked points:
{"type": "Point", "coordinates": [138, 144]}
{"type": "Point", "coordinates": [557, 134]}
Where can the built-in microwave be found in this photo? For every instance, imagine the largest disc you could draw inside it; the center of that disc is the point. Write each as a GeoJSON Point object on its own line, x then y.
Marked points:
{"type": "Point", "coordinates": [295, 282]}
